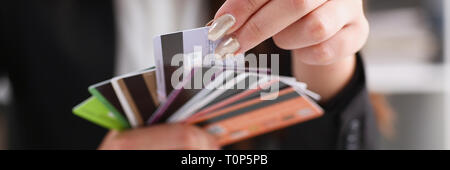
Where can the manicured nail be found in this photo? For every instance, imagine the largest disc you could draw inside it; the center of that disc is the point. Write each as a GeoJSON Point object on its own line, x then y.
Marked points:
{"type": "Point", "coordinates": [228, 46]}
{"type": "Point", "coordinates": [210, 23]}
{"type": "Point", "coordinates": [220, 27]}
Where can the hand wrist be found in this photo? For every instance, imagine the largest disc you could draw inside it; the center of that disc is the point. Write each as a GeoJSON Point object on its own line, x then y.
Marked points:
{"type": "Point", "coordinates": [326, 80]}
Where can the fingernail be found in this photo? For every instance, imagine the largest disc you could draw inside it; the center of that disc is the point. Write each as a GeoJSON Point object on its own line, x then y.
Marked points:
{"type": "Point", "coordinates": [220, 27]}
{"type": "Point", "coordinates": [209, 23]}
{"type": "Point", "coordinates": [228, 46]}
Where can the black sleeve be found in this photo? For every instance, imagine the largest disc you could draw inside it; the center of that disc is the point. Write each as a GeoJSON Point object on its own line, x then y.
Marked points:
{"type": "Point", "coordinates": [354, 113]}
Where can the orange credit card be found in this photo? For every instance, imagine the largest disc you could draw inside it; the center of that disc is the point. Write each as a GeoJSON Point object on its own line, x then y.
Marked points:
{"type": "Point", "coordinates": [259, 116]}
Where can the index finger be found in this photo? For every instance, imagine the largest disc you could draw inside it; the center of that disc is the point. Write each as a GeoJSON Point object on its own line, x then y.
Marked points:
{"type": "Point", "coordinates": [242, 10]}
{"type": "Point", "coordinates": [271, 19]}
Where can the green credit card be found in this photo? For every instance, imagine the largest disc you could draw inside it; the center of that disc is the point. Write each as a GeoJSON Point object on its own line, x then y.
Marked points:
{"type": "Point", "coordinates": [93, 110]}
{"type": "Point", "coordinates": [104, 92]}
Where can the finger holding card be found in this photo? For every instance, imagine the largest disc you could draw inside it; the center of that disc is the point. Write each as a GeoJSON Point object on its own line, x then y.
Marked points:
{"type": "Point", "coordinates": [259, 21]}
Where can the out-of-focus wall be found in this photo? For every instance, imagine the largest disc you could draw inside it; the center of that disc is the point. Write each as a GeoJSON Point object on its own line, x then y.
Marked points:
{"type": "Point", "coordinates": [446, 40]}
{"type": "Point", "coordinates": [405, 63]}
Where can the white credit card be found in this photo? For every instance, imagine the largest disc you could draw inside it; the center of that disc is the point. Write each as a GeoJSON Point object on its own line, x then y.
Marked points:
{"type": "Point", "coordinates": [184, 111]}
{"type": "Point", "coordinates": [187, 49]}
{"type": "Point", "coordinates": [193, 44]}
{"type": "Point", "coordinates": [240, 83]}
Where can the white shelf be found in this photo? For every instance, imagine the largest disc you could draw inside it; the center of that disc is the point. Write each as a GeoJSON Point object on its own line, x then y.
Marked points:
{"type": "Point", "coordinates": [407, 78]}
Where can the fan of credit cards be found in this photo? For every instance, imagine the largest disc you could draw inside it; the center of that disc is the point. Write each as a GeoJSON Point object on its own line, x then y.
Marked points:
{"type": "Point", "coordinates": [231, 101]}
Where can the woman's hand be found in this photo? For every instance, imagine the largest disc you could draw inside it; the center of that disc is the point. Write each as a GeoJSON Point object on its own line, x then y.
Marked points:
{"type": "Point", "coordinates": [318, 31]}
{"type": "Point", "coordinates": [324, 35]}
{"type": "Point", "coordinates": [160, 137]}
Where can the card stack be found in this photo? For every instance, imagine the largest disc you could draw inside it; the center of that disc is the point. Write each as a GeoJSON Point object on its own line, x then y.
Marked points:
{"type": "Point", "coordinates": [234, 104]}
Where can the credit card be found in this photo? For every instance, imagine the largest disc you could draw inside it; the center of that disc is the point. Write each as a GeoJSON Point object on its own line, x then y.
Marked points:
{"type": "Point", "coordinates": [136, 93]}
{"type": "Point", "coordinates": [229, 99]}
{"type": "Point", "coordinates": [256, 117]}
{"type": "Point", "coordinates": [169, 45]}
{"type": "Point", "coordinates": [236, 85]}
{"type": "Point", "coordinates": [105, 93]}
{"type": "Point", "coordinates": [241, 98]}
{"type": "Point", "coordinates": [201, 98]}
{"type": "Point", "coordinates": [252, 82]}
{"type": "Point", "coordinates": [142, 93]}
{"type": "Point", "coordinates": [194, 46]}
{"type": "Point", "coordinates": [94, 111]}
{"type": "Point", "coordinates": [184, 92]}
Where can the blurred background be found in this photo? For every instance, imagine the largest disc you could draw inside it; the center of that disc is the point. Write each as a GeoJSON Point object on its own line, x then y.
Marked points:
{"type": "Point", "coordinates": [406, 70]}
{"type": "Point", "coordinates": [407, 60]}
{"type": "Point", "coordinates": [4, 101]}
